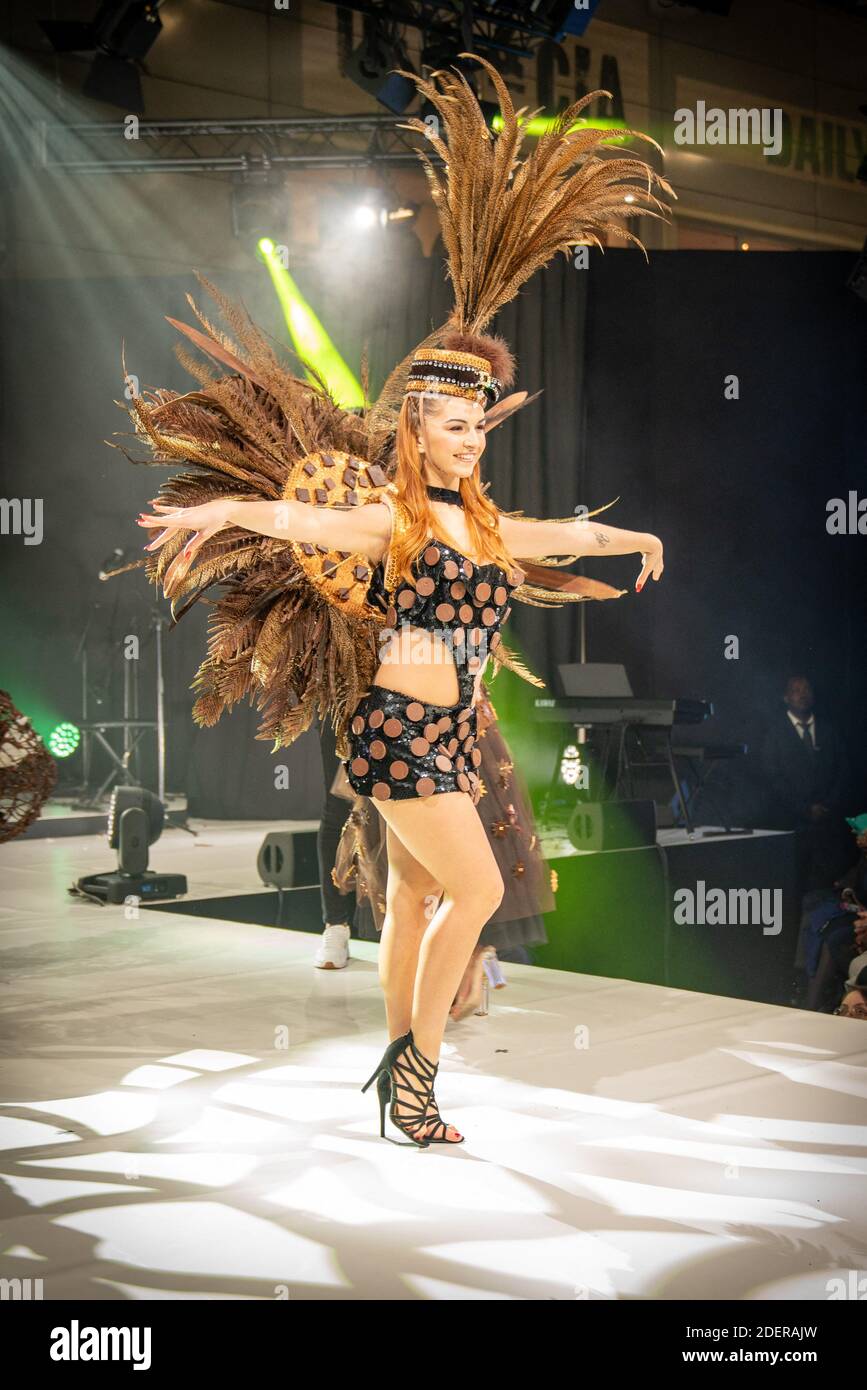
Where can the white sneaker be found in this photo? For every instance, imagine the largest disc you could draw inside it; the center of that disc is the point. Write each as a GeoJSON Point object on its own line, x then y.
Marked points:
{"type": "Point", "coordinates": [333, 950]}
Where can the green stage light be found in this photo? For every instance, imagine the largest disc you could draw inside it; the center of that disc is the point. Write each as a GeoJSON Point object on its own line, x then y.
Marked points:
{"type": "Point", "coordinates": [541, 125]}
{"type": "Point", "coordinates": [63, 740]}
{"type": "Point", "coordinates": [312, 343]}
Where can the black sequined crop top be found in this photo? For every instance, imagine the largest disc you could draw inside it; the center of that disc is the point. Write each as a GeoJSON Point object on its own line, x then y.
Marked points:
{"type": "Point", "coordinates": [450, 592]}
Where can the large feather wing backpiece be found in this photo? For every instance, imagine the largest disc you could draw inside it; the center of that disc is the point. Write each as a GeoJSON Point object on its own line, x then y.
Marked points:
{"type": "Point", "coordinates": [277, 631]}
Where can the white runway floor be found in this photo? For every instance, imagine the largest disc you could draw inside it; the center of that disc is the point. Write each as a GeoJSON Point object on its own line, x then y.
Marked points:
{"type": "Point", "coordinates": [182, 1119]}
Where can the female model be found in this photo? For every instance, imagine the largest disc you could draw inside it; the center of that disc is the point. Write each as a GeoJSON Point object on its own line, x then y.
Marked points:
{"type": "Point", "coordinates": [452, 556]}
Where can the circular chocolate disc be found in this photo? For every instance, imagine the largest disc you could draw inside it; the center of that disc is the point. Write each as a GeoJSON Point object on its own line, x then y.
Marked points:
{"type": "Point", "coordinates": [444, 724]}
{"type": "Point", "coordinates": [415, 711]}
{"type": "Point", "coordinates": [483, 591]}
{"type": "Point", "coordinates": [392, 727]}
{"type": "Point", "coordinates": [500, 594]}
{"type": "Point", "coordinates": [391, 616]}
{"type": "Point", "coordinates": [495, 641]}
{"type": "Point", "coordinates": [445, 611]}
{"type": "Point", "coordinates": [458, 589]}
{"type": "Point", "coordinates": [450, 569]}
{"type": "Point", "coordinates": [375, 718]}
{"type": "Point", "coordinates": [431, 555]}
{"type": "Point", "coordinates": [431, 732]}
{"type": "Point", "coordinates": [465, 714]}
{"type": "Point", "coordinates": [467, 568]}
{"type": "Point", "coordinates": [419, 747]}
{"type": "Point", "coordinates": [381, 790]}
{"type": "Point", "coordinates": [357, 724]}
{"type": "Point", "coordinates": [476, 756]}
{"type": "Point", "coordinates": [406, 598]}
{"type": "Point", "coordinates": [425, 785]}
{"type": "Point", "coordinates": [465, 613]}
{"type": "Point", "coordinates": [463, 782]}
{"type": "Point", "coordinates": [463, 730]}
{"type": "Point", "coordinates": [452, 746]}
{"type": "Point", "coordinates": [460, 762]}
{"type": "Point", "coordinates": [378, 748]}
{"type": "Point", "coordinates": [425, 586]}
{"type": "Point", "coordinates": [443, 763]}
{"type": "Point", "coordinates": [359, 766]}
{"type": "Point", "coordinates": [398, 769]}
{"type": "Point", "coordinates": [489, 616]}
{"type": "Point", "coordinates": [468, 743]}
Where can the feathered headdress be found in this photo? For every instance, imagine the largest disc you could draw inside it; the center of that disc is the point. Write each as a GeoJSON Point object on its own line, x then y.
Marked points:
{"type": "Point", "coordinates": [290, 626]}
{"type": "Point", "coordinates": [503, 217]}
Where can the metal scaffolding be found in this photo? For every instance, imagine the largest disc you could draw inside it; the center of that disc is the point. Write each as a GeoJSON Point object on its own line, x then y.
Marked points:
{"type": "Point", "coordinates": [239, 145]}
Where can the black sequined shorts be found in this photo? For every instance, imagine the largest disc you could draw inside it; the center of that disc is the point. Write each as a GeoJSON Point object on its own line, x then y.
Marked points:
{"type": "Point", "coordinates": [403, 748]}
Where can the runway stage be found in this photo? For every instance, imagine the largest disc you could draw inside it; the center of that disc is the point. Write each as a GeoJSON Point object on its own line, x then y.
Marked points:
{"type": "Point", "coordinates": [182, 1119]}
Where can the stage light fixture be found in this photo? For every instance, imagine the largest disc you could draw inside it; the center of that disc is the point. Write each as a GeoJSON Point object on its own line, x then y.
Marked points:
{"type": "Point", "coordinates": [371, 65]}
{"type": "Point", "coordinates": [64, 739]}
{"type": "Point", "coordinates": [260, 206]}
{"type": "Point", "coordinates": [571, 765]}
{"type": "Point", "coordinates": [135, 822]}
{"type": "Point", "coordinates": [120, 35]}
{"type": "Point", "coordinates": [370, 213]}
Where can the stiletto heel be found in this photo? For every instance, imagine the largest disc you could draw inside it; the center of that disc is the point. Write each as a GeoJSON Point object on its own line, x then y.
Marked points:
{"type": "Point", "coordinates": [400, 1061]}
{"type": "Point", "coordinates": [383, 1090]}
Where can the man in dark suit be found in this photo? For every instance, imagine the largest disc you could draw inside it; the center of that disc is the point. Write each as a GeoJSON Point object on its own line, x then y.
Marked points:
{"type": "Point", "coordinates": [804, 771]}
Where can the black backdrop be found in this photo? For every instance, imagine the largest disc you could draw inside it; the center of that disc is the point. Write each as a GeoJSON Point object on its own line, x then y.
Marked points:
{"type": "Point", "coordinates": [632, 358]}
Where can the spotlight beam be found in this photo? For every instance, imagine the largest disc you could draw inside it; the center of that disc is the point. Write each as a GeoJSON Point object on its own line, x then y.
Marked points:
{"type": "Point", "coordinates": [312, 343]}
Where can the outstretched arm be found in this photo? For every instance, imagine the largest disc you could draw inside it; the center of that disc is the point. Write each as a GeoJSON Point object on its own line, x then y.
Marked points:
{"type": "Point", "coordinates": [365, 529]}
{"type": "Point", "coordinates": [532, 540]}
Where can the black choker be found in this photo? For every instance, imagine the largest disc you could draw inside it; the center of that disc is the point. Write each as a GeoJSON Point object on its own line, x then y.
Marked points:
{"type": "Point", "coordinates": [444, 494]}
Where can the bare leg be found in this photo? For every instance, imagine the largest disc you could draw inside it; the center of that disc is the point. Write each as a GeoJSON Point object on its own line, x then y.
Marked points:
{"type": "Point", "coordinates": [443, 834]}
{"type": "Point", "coordinates": [411, 897]}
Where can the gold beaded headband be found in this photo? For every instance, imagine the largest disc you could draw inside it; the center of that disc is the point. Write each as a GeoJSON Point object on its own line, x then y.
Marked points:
{"type": "Point", "coordinates": [449, 373]}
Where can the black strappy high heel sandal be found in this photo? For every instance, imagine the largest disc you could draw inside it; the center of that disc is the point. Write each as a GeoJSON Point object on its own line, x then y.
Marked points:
{"type": "Point", "coordinates": [390, 1076]}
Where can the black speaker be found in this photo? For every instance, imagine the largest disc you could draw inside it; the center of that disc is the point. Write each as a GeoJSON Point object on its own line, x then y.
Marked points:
{"type": "Point", "coordinates": [288, 859]}
{"type": "Point", "coordinates": [601, 825]}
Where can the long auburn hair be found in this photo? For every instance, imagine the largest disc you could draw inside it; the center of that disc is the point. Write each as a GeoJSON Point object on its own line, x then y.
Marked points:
{"type": "Point", "coordinates": [483, 516]}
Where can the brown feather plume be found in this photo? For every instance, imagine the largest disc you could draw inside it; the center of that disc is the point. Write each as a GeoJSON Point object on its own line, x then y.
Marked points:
{"type": "Point", "coordinates": [502, 217]}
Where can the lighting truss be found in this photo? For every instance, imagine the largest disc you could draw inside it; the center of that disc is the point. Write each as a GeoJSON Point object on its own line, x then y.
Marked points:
{"type": "Point", "coordinates": [230, 146]}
